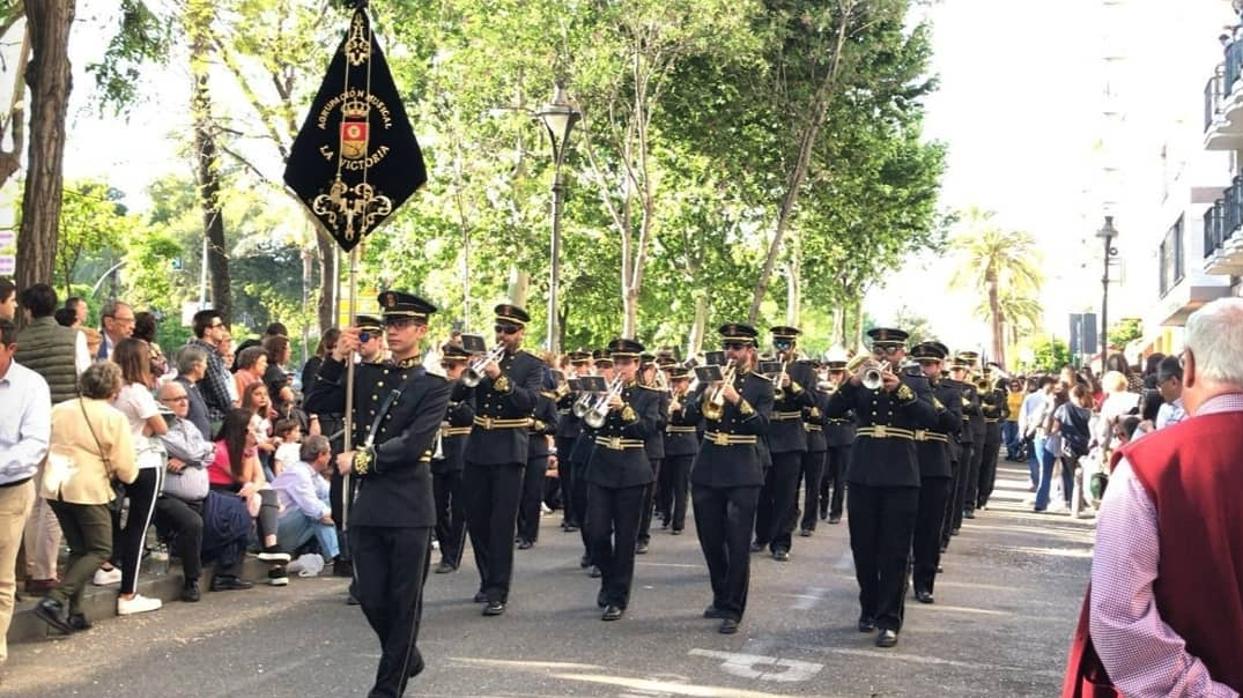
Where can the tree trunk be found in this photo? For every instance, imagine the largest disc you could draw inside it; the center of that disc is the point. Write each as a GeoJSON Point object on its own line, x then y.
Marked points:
{"type": "Point", "coordinates": [837, 334]}
{"type": "Point", "coordinates": [794, 182]}
{"type": "Point", "coordinates": [11, 160]}
{"type": "Point", "coordinates": [794, 284]}
{"type": "Point", "coordinates": [325, 309]}
{"type": "Point", "coordinates": [199, 16]}
{"type": "Point", "coordinates": [50, 79]}
{"type": "Point", "coordinates": [695, 340]}
{"type": "Point", "coordinates": [995, 319]}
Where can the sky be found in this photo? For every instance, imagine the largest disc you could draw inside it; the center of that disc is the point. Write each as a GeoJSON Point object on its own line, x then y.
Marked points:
{"type": "Point", "coordinates": [1019, 107]}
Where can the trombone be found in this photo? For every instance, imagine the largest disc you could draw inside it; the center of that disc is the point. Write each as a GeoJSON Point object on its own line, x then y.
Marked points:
{"type": "Point", "coordinates": [599, 410]}
{"type": "Point", "coordinates": [474, 372]}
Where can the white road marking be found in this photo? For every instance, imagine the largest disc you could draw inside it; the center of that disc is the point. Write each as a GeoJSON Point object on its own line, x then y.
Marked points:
{"type": "Point", "coordinates": [745, 666]}
{"type": "Point", "coordinates": [676, 689]}
{"type": "Point", "coordinates": [964, 609]}
{"type": "Point", "coordinates": [672, 564]}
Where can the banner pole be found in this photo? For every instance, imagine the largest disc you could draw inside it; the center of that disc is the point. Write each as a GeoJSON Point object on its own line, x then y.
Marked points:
{"type": "Point", "coordinates": [349, 392]}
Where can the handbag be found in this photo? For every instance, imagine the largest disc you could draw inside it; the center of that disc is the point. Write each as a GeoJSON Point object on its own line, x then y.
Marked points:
{"type": "Point", "coordinates": [118, 487]}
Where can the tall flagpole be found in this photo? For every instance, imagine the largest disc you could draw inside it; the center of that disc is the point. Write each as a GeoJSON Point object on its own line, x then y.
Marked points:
{"type": "Point", "coordinates": [348, 437]}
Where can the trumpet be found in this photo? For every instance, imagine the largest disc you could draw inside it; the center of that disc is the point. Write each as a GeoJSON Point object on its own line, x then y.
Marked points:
{"type": "Point", "coordinates": [599, 410]}
{"type": "Point", "coordinates": [662, 381]}
{"type": "Point", "coordinates": [474, 372]}
{"type": "Point", "coordinates": [873, 377]}
{"type": "Point", "coordinates": [714, 404]}
{"type": "Point", "coordinates": [582, 405]}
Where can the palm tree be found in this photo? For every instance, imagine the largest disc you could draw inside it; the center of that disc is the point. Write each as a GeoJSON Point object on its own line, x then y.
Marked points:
{"type": "Point", "coordinates": [996, 263]}
{"type": "Point", "coordinates": [1022, 312]}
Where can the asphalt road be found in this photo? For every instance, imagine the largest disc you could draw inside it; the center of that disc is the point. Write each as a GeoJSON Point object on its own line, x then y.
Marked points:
{"type": "Point", "coordinates": [1005, 609]}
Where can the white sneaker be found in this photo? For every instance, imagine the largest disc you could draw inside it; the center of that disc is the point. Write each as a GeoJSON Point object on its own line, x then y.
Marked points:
{"type": "Point", "coordinates": [138, 604]}
{"type": "Point", "coordinates": [105, 577]}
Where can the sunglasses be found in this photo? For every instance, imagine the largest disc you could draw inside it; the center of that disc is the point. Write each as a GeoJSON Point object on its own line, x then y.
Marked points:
{"type": "Point", "coordinates": [783, 344]}
{"type": "Point", "coordinates": [507, 329]}
{"type": "Point", "coordinates": [733, 346]}
{"type": "Point", "coordinates": [215, 324]}
{"type": "Point", "coordinates": [399, 321]}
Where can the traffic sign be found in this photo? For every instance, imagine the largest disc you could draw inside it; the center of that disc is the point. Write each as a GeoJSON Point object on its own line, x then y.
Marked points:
{"type": "Point", "coordinates": [8, 264]}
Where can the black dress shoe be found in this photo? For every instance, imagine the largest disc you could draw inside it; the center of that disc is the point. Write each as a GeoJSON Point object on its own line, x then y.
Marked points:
{"type": "Point", "coordinates": [190, 592]}
{"type": "Point", "coordinates": [835, 519]}
{"type": "Point", "coordinates": [866, 625]}
{"type": "Point", "coordinates": [79, 623]}
{"type": "Point", "coordinates": [757, 546]}
{"type": "Point", "coordinates": [640, 548]}
{"type": "Point", "coordinates": [351, 600]}
{"type": "Point", "coordinates": [664, 524]}
{"type": "Point", "coordinates": [781, 555]}
{"type": "Point", "coordinates": [584, 562]}
{"type": "Point", "coordinates": [415, 666]}
{"type": "Point", "coordinates": [228, 582]}
{"type": "Point", "coordinates": [806, 532]}
{"type": "Point", "coordinates": [480, 597]}
{"type": "Point", "coordinates": [601, 599]}
{"type": "Point", "coordinates": [954, 532]}
{"type": "Point", "coordinates": [571, 528]}
{"type": "Point", "coordinates": [968, 514]}
{"type": "Point", "coordinates": [612, 613]}
{"type": "Point", "coordinates": [445, 567]}
{"type": "Point", "coordinates": [53, 613]}
{"type": "Point", "coordinates": [887, 638]}
{"type": "Point", "coordinates": [729, 626]}
{"type": "Point", "coordinates": [594, 572]}
{"type": "Point", "coordinates": [923, 596]}
{"type": "Point", "coordinates": [940, 568]}
{"type": "Point", "coordinates": [676, 531]}
{"type": "Point", "coordinates": [342, 567]}
{"type": "Point", "coordinates": [494, 608]}
{"type": "Point", "coordinates": [714, 613]}
{"type": "Point", "coordinates": [525, 545]}
{"type": "Point", "coordinates": [824, 514]}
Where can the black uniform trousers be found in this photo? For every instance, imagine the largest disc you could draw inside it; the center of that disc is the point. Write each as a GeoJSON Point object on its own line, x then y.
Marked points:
{"type": "Point", "coordinates": [664, 493]}
{"type": "Point", "coordinates": [676, 471]}
{"type": "Point", "coordinates": [532, 497]}
{"type": "Point", "coordinates": [450, 515]}
{"type": "Point", "coordinates": [724, 517]}
{"type": "Point", "coordinates": [581, 504]}
{"type": "Point", "coordinates": [965, 473]}
{"type": "Point", "coordinates": [934, 492]}
{"type": "Point", "coordinates": [777, 509]}
{"type": "Point", "coordinates": [833, 483]}
{"type": "Point", "coordinates": [813, 472]}
{"type": "Point", "coordinates": [492, 494]}
{"type": "Point", "coordinates": [570, 509]}
{"type": "Point", "coordinates": [951, 503]}
{"type": "Point", "coordinates": [988, 466]}
{"type": "Point", "coordinates": [613, 522]}
{"type": "Point", "coordinates": [390, 567]}
{"type": "Point", "coordinates": [972, 493]}
{"type": "Point", "coordinates": [882, 523]}
{"type": "Point", "coordinates": [649, 501]}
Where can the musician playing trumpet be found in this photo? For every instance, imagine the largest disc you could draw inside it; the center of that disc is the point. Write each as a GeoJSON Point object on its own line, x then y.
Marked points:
{"type": "Point", "coordinates": [884, 476]}
{"type": "Point", "coordinates": [681, 445]}
{"type": "Point", "coordinates": [618, 474]}
{"type": "Point", "coordinates": [729, 470]}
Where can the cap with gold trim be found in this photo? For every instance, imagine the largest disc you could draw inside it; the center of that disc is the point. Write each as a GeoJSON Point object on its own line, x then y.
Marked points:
{"type": "Point", "coordinates": [888, 337]}
{"type": "Point", "coordinates": [602, 357]}
{"type": "Point", "coordinates": [625, 348]}
{"type": "Point", "coordinates": [785, 332]}
{"type": "Point", "coordinates": [579, 357]}
{"type": "Point", "coordinates": [507, 313]}
{"type": "Point", "coordinates": [454, 353]}
{"type": "Point", "coordinates": [737, 332]}
{"type": "Point", "coordinates": [965, 359]}
{"type": "Point", "coordinates": [931, 350]}
{"type": "Point", "coordinates": [369, 323]}
{"type": "Point", "coordinates": [402, 304]}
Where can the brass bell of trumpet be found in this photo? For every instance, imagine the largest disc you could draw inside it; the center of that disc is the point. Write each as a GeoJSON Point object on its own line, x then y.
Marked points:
{"type": "Point", "coordinates": [599, 411]}
{"type": "Point", "coordinates": [474, 372]}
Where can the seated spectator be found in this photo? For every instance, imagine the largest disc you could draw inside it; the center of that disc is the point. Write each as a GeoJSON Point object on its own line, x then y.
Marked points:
{"type": "Point", "coordinates": [65, 317]}
{"type": "Point", "coordinates": [303, 494]}
{"type": "Point", "coordinates": [276, 329]}
{"type": "Point", "coordinates": [192, 365]}
{"type": "Point", "coordinates": [278, 351]}
{"type": "Point", "coordinates": [310, 371]}
{"type": "Point", "coordinates": [178, 515]}
{"type": "Point", "coordinates": [252, 363]}
{"type": "Point", "coordinates": [146, 423]}
{"type": "Point", "coordinates": [287, 435]}
{"type": "Point", "coordinates": [91, 445]}
{"type": "Point", "coordinates": [94, 339]}
{"type": "Point", "coordinates": [235, 470]}
{"type": "Point", "coordinates": [80, 310]}
{"type": "Point", "coordinates": [256, 401]}
{"type": "Point", "coordinates": [144, 329]}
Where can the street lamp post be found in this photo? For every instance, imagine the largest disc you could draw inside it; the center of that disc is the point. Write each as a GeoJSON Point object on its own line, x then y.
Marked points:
{"type": "Point", "coordinates": [558, 118]}
{"type": "Point", "coordinates": [1107, 232]}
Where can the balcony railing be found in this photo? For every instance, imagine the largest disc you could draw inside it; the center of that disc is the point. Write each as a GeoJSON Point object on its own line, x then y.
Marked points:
{"type": "Point", "coordinates": [1170, 258]}
{"type": "Point", "coordinates": [1214, 90]}
{"type": "Point", "coordinates": [1222, 220]}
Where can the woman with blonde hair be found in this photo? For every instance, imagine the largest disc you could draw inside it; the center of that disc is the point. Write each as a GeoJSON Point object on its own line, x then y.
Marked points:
{"type": "Point", "coordinates": [91, 446]}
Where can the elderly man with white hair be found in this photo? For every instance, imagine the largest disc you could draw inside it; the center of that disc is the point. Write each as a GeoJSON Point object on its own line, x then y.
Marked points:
{"type": "Point", "coordinates": [1164, 612]}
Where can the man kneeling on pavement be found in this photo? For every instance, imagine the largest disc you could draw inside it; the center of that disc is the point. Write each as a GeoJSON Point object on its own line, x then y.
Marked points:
{"type": "Point", "coordinates": [303, 494]}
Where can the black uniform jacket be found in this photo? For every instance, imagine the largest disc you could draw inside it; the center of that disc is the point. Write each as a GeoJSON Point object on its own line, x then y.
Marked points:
{"type": "Point", "coordinates": [544, 425]}
{"type": "Point", "coordinates": [734, 452]}
{"type": "Point", "coordinates": [786, 432]}
{"type": "Point", "coordinates": [681, 437]}
{"type": "Point", "coordinates": [883, 455]}
{"type": "Point", "coordinates": [619, 458]}
{"type": "Point", "coordinates": [813, 423]}
{"type": "Point", "coordinates": [993, 406]}
{"type": "Point", "coordinates": [933, 445]}
{"type": "Point", "coordinates": [568, 426]}
{"type": "Point", "coordinates": [970, 409]}
{"type": "Point", "coordinates": [654, 443]}
{"type": "Point", "coordinates": [454, 432]}
{"type": "Point", "coordinates": [397, 489]}
{"type": "Point", "coordinates": [504, 410]}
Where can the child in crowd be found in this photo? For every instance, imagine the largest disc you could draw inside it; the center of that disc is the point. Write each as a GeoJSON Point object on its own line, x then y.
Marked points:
{"type": "Point", "coordinates": [287, 435]}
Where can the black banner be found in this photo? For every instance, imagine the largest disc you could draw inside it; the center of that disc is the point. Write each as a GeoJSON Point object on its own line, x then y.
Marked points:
{"type": "Point", "coordinates": [355, 160]}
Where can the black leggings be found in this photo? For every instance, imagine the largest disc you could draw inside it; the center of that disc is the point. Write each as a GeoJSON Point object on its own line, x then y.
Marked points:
{"type": "Point", "coordinates": [127, 541]}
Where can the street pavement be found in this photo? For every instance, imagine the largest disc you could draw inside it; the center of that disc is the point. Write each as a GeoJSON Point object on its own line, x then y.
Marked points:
{"type": "Point", "coordinates": [1005, 609]}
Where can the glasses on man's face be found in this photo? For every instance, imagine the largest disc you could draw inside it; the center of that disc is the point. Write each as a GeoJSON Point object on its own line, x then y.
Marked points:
{"type": "Point", "coordinates": [180, 398]}
{"type": "Point", "coordinates": [782, 345]}
{"type": "Point", "coordinates": [399, 322]}
{"type": "Point", "coordinates": [505, 329]}
{"type": "Point", "coordinates": [733, 346]}
{"type": "Point", "coordinates": [215, 324]}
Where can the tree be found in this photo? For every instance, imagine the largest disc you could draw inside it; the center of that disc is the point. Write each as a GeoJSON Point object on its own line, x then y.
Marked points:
{"type": "Point", "coordinates": [992, 260]}
{"type": "Point", "coordinates": [1044, 354]}
{"type": "Point", "coordinates": [13, 122]}
{"type": "Point", "coordinates": [49, 78]}
{"type": "Point", "coordinates": [92, 220]}
{"type": "Point", "coordinates": [1125, 331]}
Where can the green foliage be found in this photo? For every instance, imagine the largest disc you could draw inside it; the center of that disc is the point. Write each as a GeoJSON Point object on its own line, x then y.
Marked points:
{"type": "Point", "coordinates": [94, 226]}
{"type": "Point", "coordinates": [1044, 354]}
{"type": "Point", "coordinates": [142, 36]}
{"type": "Point", "coordinates": [1125, 331]}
